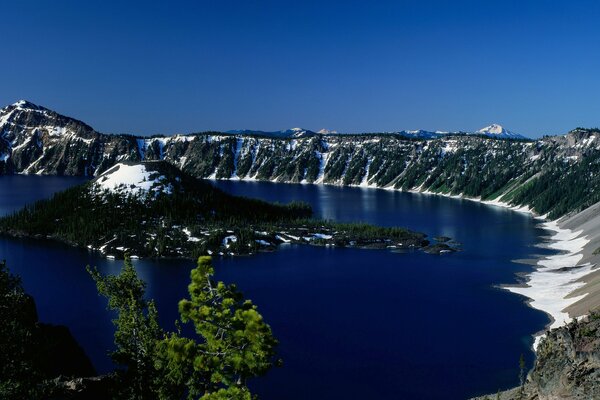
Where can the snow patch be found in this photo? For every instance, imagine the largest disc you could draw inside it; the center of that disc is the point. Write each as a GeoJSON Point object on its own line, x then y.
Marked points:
{"type": "Point", "coordinates": [557, 276]}
{"type": "Point", "coordinates": [133, 179]}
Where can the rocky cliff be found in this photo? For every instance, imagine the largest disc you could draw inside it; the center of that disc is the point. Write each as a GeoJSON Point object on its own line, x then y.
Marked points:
{"type": "Point", "coordinates": [553, 175]}
{"type": "Point", "coordinates": [567, 365]}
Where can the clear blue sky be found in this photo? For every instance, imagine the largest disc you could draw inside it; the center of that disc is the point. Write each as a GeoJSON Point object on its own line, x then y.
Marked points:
{"type": "Point", "coordinates": [166, 67]}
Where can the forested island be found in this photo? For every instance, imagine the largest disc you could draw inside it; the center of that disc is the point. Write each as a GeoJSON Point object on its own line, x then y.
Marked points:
{"type": "Point", "coordinates": [153, 209]}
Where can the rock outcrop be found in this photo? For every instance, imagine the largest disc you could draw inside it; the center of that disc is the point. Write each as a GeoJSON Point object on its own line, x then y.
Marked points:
{"type": "Point", "coordinates": [567, 365]}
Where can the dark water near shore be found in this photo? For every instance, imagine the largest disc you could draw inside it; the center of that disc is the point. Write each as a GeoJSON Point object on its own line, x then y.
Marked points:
{"type": "Point", "coordinates": [351, 323]}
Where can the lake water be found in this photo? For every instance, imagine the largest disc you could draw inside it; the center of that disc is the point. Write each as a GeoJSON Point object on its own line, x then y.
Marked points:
{"type": "Point", "coordinates": [351, 323]}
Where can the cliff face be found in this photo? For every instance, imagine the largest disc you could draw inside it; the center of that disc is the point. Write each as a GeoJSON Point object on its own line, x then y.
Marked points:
{"type": "Point", "coordinates": [36, 140]}
{"type": "Point", "coordinates": [567, 365]}
{"type": "Point", "coordinates": [568, 362]}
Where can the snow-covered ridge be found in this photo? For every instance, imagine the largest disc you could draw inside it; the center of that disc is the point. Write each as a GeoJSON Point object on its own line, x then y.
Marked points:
{"type": "Point", "coordinates": [28, 129]}
{"type": "Point", "coordinates": [326, 131]}
{"type": "Point", "coordinates": [135, 179]}
{"type": "Point", "coordinates": [293, 133]}
{"type": "Point", "coordinates": [494, 131]}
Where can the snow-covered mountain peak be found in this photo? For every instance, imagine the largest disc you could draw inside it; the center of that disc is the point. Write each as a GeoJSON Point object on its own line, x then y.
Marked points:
{"type": "Point", "coordinates": [21, 108]}
{"type": "Point", "coordinates": [327, 132]}
{"type": "Point", "coordinates": [24, 105]}
{"type": "Point", "coordinates": [497, 130]}
{"type": "Point", "coordinates": [493, 128]}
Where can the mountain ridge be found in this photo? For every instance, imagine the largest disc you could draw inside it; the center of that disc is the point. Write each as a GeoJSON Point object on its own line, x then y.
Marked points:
{"type": "Point", "coordinates": [36, 140]}
{"type": "Point", "coordinates": [493, 130]}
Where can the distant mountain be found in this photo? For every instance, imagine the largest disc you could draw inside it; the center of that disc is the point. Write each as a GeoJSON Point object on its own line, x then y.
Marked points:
{"type": "Point", "coordinates": [498, 131]}
{"type": "Point", "coordinates": [421, 134]}
{"type": "Point", "coordinates": [34, 139]}
{"type": "Point", "coordinates": [285, 134]}
{"type": "Point", "coordinates": [494, 131]}
{"type": "Point", "coordinates": [327, 132]}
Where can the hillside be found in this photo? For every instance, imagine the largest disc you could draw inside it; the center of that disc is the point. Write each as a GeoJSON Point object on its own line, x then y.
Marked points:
{"type": "Point", "coordinates": [553, 175]}
{"type": "Point", "coordinates": [153, 209]}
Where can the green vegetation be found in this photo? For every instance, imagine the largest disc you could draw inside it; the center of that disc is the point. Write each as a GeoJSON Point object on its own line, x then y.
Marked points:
{"type": "Point", "coordinates": [195, 219]}
{"type": "Point", "coordinates": [551, 175]}
{"type": "Point", "coordinates": [32, 353]}
{"type": "Point", "coordinates": [137, 331]}
{"type": "Point", "coordinates": [150, 226]}
{"type": "Point", "coordinates": [17, 358]}
{"type": "Point", "coordinates": [232, 343]}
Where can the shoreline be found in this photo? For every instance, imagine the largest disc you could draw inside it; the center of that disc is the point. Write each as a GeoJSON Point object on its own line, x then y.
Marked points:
{"type": "Point", "coordinates": [554, 284]}
{"type": "Point", "coordinates": [555, 279]}
{"type": "Point", "coordinates": [552, 287]}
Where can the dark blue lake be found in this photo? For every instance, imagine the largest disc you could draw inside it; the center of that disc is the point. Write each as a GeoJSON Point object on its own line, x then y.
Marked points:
{"type": "Point", "coordinates": [351, 323]}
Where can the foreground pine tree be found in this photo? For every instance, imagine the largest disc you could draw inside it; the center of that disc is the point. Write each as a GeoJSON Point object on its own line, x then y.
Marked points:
{"type": "Point", "coordinates": [18, 373]}
{"type": "Point", "coordinates": [233, 342]}
{"type": "Point", "coordinates": [137, 331]}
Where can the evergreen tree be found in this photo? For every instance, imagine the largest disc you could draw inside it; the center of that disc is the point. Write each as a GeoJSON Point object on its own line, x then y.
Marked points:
{"type": "Point", "coordinates": [137, 330]}
{"type": "Point", "coordinates": [19, 375]}
{"type": "Point", "coordinates": [522, 366]}
{"type": "Point", "coordinates": [233, 345]}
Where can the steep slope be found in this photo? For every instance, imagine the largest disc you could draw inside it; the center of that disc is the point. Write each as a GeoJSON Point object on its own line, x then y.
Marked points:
{"type": "Point", "coordinates": [523, 172]}
{"type": "Point", "coordinates": [36, 140]}
{"type": "Point", "coordinates": [567, 365]}
{"type": "Point", "coordinates": [554, 175]}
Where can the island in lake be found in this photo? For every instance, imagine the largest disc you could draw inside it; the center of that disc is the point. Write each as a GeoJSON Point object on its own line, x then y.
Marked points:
{"type": "Point", "coordinates": [152, 209]}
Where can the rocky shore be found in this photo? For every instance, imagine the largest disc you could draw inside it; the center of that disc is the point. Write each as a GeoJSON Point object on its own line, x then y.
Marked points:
{"type": "Point", "coordinates": [567, 365]}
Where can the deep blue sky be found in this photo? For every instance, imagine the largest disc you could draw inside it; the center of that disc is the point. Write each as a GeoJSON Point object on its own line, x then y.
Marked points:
{"type": "Point", "coordinates": [150, 67]}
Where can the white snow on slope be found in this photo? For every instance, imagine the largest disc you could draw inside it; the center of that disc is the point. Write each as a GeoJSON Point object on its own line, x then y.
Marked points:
{"type": "Point", "coordinates": [133, 179]}
{"type": "Point", "coordinates": [557, 276]}
{"type": "Point", "coordinates": [325, 131]}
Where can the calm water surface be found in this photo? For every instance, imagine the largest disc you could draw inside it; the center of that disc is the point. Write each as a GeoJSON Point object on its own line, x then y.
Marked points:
{"type": "Point", "coordinates": [351, 323]}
